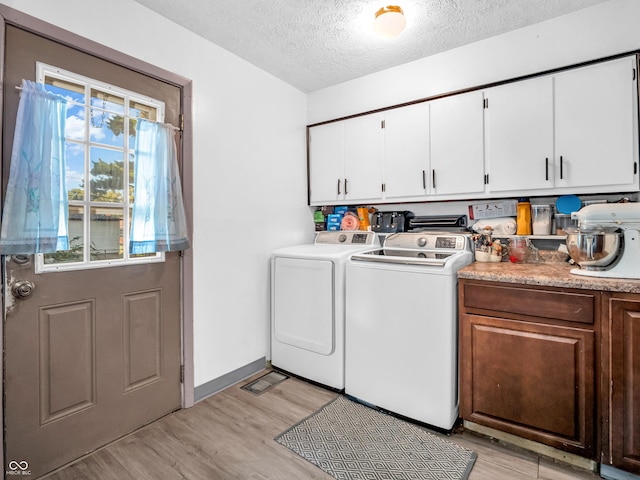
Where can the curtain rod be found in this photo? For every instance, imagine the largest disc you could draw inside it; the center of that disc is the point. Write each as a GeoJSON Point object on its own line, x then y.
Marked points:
{"type": "Point", "coordinates": [19, 88]}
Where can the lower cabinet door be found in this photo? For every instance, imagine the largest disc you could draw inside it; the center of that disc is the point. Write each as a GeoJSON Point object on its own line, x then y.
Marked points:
{"type": "Point", "coordinates": [624, 433]}
{"type": "Point", "coordinates": [529, 379]}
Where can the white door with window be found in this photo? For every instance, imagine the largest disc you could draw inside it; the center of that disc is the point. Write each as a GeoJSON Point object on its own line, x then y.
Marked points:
{"type": "Point", "coordinates": [92, 334]}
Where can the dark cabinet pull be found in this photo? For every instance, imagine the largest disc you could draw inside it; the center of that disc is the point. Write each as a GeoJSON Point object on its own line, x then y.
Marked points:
{"type": "Point", "coordinates": [546, 168]}
{"type": "Point", "coordinates": [433, 178]}
{"type": "Point", "coordinates": [345, 186]}
{"type": "Point", "coordinates": [339, 186]}
{"type": "Point", "coordinates": [561, 167]}
{"type": "Point", "coordinates": [424, 179]}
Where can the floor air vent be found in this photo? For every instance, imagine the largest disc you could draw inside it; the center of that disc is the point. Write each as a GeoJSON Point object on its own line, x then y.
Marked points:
{"type": "Point", "coordinates": [264, 383]}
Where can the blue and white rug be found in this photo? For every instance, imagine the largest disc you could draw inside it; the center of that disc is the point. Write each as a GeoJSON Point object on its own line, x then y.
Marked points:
{"type": "Point", "coordinates": [350, 441]}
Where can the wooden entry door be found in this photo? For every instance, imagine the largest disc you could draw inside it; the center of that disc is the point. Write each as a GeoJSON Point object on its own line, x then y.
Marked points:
{"type": "Point", "coordinates": [92, 354]}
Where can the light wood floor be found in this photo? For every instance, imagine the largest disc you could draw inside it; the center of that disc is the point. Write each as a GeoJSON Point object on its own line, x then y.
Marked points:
{"type": "Point", "coordinates": [230, 436]}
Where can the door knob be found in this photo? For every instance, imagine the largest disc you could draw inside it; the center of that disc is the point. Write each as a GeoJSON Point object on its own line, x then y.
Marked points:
{"type": "Point", "coordinates": [22, 288]}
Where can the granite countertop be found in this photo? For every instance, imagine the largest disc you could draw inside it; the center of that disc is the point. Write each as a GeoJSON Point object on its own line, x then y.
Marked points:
{"type": "Point", "coordinates": [552, 274]}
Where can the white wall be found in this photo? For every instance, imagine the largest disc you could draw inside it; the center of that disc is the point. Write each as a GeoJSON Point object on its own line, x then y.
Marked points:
{"type": "Point", "coordinates": [249, 169]}
{"type": "Point", "coordinates": [605, 29]}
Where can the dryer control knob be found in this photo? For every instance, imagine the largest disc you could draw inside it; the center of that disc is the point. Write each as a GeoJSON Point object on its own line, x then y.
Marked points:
{"type": "Point", "coordinates": [422, 242]}
{"type": "Point", "coordinates": [342, 238]}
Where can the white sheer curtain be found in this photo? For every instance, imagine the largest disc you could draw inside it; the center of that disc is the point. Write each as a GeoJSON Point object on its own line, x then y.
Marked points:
{"type": "Point", "coordinates": [35, 208]}
{"type": "Point", "coordinates": [158, 220]}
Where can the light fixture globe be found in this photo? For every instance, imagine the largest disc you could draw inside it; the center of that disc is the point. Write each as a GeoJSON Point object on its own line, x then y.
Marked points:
{"type": "Point", "coordinates": [389, 21]}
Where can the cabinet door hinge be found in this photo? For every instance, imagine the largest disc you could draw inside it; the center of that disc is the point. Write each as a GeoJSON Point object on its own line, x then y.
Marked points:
{"type": "Point", "coordinates": [181, 373]}
{"type": "Point", "coordinates": [182, 122]}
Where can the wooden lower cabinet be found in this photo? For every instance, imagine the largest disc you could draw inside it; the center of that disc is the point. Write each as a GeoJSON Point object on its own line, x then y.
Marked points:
{"type": "Point", "coordinates": [622, 445]}
{"type": "Point", "coordinates": [528, 362]}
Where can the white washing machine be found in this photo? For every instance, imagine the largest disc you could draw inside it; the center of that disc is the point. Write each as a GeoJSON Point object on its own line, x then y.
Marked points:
{"type": "Point", "coordinates": [401, 325]}
{"type": "Point", "coordinates": [308, 304]}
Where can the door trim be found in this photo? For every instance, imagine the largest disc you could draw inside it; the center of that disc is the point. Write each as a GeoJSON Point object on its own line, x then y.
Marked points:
{"type": "Point", "coordinates": [11, 16]}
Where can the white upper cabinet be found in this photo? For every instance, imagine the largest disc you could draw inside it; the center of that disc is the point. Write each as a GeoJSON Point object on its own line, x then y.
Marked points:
{"type": "Point", "coordinates": [575, 131]}
{"type": "Point", "coordinates": [519, 136]}
{"type": "Point", "coordinates": [406, 152]}
{"type": "Point", "coordinates": [345, 161]}
{"type": "Point", "coordinates": [326, 164]}
{"type": "Point", "coordinates": [457, 145]}
{"type": "Point", "coordinates": [596, 127]}
{"type": "Point", "coordinates": [363, 157]}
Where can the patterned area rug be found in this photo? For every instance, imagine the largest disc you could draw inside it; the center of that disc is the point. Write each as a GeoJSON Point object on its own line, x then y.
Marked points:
{"type": "Point", "coordinates": [351, 441]}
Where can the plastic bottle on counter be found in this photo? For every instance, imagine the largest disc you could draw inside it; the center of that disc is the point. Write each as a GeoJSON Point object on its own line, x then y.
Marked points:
{"type": "Point", "coordinates": [541, 219]}
{"type": "Point", "coordinates": [523, 216]}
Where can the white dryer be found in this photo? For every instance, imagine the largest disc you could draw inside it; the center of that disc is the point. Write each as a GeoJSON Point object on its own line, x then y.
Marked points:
{"type": "Point", "coordinates": [308, 305]}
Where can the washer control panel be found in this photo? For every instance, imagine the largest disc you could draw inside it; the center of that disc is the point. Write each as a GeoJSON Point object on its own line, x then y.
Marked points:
{"type": "Point", "coordinates": [428, 241]}
{"type": "Point", "coordinates": [355, 237]}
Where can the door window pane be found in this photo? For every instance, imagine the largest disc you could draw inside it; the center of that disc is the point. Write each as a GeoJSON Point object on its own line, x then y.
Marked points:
{"type": "Point", "coordinates": [75, 95]}
{"type": "Point", "coordinates": [106, 175]}
{"type": "Point", "coordinates": [106, 233]}
{"type": "Point", "coordinates": [75, 170]}
{"type": "Point", "coordinates": [131, 174]}
{"type": "Point", "coordinates": [138, 255]}
{"type": "Point", "coordinates": [76, 240]}
{"type": "Point", "coordinates": [107, 119]}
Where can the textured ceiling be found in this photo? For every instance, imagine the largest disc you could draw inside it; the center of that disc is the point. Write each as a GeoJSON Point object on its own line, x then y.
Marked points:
{"type": "Point", "coordinates": [312, 44]}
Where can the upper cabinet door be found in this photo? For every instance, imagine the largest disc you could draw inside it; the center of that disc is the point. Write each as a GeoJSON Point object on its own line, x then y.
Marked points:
{"type": "Point", "coordinates": [596, 126]}
{"type": "Point", "coordinates": [326, 163]}
{"type": "Point", "coordinates": [406, 148]}
{"type": "Point", "coordinates": [519, 121]}
{"type": "Point", "coordinates": [457, 145]}
{"type": "Point", "coordinates": [363, 157]}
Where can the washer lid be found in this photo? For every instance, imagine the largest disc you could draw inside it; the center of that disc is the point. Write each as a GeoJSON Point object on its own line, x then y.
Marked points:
{"type": "Point", "coordinates": [433, 258]}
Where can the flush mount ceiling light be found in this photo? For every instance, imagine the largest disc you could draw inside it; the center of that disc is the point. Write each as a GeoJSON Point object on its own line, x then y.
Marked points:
{"type": "Point", "coordinates": [389, 21]}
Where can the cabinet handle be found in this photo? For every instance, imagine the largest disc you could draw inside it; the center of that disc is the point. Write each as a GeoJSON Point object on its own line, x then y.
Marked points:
{"type": "Point", "coordinates": [433, 178]}
{"type": "Point", "coordinates": [345, 187]}
{"type": "Point", "coordinates": [561, 167]}
{"type": "Point", "coordinates": [546, 168]}
{"type": "Point", "coordinates": [339, 186]}
{"type": "Point", "coordinates": [424, 179]}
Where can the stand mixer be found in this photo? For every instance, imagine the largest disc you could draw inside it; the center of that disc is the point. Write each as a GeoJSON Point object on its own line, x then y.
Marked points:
{"type": "Point", "coordinates": [607, 242]}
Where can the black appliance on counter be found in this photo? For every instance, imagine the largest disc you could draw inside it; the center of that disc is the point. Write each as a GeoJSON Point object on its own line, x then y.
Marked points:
{"type": "Point", "coordinates": [449, 223]}
{"type": "Point", "coordinates": [390, 222]}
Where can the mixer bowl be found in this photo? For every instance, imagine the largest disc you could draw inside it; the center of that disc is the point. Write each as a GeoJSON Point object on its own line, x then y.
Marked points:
{"type": "Point", "coordinates": [594, 248]}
